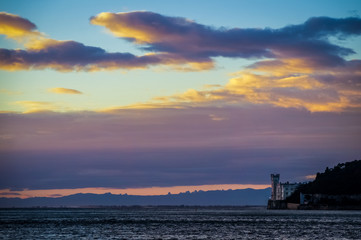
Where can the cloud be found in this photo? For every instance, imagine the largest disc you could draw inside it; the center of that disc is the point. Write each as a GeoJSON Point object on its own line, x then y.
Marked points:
{"type": "Point", "coordinates": [132, 148]}
{"type": "Point", "coordinates": [336, 89]}
{"type": "Point", "coordinates": [64, 91]}
{"type": "Point", "coordinates": [38, 106]}
{"type": "Point", "coordinates": [16, 27]}
{"type": "Point", "coordinates": [289, 83]}
{"type": "Point", "coordinates": [45, 53]}
{"type": "Point", "coordinates": [190, 96]}
{"type": "Point", "coordinates": [169, 128]}
{"type": "Point", "coordinates": [71, 56]}
{"type": "Point", "coordinates": [302, 69]}
{"type": "Point", "coordinates": [297, 65]}
{"type": "Point", "coordinates": [184, 37]}
{"type": "Point", "coordinates": [26, 193]}
{"type": "Point", "coordinates": [310, 177]}
{"type": "Point", "coordinates": [10, 194]}
{"type": "Point", "coordinates": [177, 42]}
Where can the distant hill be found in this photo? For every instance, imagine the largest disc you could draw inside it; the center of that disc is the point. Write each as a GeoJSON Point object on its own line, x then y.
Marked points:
{"type": "Point", "coordinates": [343, 179]}
{"type": "Point", "coordinates": [243, 197]}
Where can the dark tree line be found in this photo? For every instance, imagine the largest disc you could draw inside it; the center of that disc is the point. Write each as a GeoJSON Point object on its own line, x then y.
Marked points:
{"type": "Point", "coordinates": [343, 179]}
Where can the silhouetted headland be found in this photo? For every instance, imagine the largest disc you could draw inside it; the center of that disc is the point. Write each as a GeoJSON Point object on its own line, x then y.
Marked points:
{"type": "Point", "coordinates": [337, 188]}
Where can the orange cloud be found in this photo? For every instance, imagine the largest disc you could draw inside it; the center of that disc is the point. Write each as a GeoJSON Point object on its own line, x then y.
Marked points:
{"type": "Point", "coordinates": [123, 25]}
{"type": "Point", "coordinates": [145, 27]}
{"type": "Point", "coordinates": [35, 106]}
{"type": "Point", "coordinates": [312, 88]}
{"type": "Point", "coordinates": [64, 91]}
{"type": "Point", "coordinates": [16, 27]}
{"type": "Point", "coordinates": [40, 106]}
{"type": "Point", "coordinates": [151, 191]}
{"type": "Point", "coordinates": [191, 96]}
{"type": "Point", "coordinates": [310, 177]}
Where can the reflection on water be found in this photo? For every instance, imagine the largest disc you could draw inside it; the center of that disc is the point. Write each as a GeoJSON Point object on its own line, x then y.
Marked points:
{"type": "Point", "coordinates": [178, 223]}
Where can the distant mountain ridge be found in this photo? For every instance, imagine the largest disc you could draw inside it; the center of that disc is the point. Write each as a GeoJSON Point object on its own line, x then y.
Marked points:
{"type": "Point", "coordinates": [241, 197]}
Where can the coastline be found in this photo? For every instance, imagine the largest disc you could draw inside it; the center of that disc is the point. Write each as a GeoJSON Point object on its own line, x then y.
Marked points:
{"type": "Point", "coordinates": [284, 205]}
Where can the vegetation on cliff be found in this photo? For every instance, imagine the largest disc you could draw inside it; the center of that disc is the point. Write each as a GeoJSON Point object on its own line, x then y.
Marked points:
{"type": "Point", "coordinates": [343, 179]}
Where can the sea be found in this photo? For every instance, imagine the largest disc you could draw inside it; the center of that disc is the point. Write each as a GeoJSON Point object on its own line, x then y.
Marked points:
{"type": "Point", "coordinates": [177, 223]}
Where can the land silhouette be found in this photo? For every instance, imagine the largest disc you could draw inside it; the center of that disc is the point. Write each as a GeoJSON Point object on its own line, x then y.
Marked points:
{"type": "Point", "coordinates": [336, 188]}
{"type": "Point", "coordinates": [242, 197]}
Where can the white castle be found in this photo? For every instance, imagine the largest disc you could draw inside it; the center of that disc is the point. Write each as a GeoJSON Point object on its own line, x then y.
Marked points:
{"type": "Point", "coordinates": [280, 191]}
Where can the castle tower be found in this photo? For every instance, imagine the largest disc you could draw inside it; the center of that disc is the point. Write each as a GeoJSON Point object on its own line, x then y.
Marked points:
{"type": "Point", "coordinates": [275, 179]}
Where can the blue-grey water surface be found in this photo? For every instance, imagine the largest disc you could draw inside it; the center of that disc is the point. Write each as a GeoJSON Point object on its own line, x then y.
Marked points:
{"type": "Point", "coordinates": [178, 223]}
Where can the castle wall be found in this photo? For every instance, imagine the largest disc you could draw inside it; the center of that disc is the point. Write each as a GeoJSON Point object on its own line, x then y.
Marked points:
{"type": "Point", "coordinates": [280, 191]}
{"type": "Point", "coordinates": [274, 184]}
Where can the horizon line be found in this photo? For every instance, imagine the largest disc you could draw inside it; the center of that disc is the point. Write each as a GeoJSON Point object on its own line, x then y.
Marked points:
{"type": "Point", "coordinates": [149, 191]}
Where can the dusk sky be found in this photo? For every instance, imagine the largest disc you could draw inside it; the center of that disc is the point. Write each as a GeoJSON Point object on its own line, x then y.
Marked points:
{"type": "Point", "coordinates": [150, 97]}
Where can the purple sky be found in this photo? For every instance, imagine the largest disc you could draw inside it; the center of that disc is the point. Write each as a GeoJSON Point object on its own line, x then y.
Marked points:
{"type": "Point", "coordinates": [172, 147]}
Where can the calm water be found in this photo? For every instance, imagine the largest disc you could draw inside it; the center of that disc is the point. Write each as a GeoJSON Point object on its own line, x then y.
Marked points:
{"type": "Point", "coordinates": [178, 223]}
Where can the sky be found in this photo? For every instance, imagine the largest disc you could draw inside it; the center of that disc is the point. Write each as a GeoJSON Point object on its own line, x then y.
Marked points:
{"type": "Point", "coordinates": [150, 97]}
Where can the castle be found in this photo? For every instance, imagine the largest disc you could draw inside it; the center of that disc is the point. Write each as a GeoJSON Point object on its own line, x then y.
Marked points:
{"type": "Point", "coordinates": [280, 191]}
